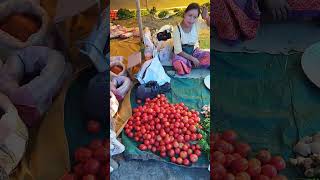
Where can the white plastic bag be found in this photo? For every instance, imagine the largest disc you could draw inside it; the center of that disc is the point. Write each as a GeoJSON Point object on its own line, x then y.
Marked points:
{"type": "Point", "coordinates": [164, 49]}
{"type": "Point", "coordinates": [114, 104]}
{"type": "Point", "coordinates": [119, 63]}
{"type": "Point", "coordinates": [115, 146]}
{"type": "Point", "coordinates": [152, 70]}
{"type": "Point", "coordinates": [120, 85]}
{"type": "Point", "coordinates": [13, 136]}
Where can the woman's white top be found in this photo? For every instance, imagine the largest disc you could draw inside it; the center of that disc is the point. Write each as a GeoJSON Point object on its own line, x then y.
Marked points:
{"type": "Point", "coordinates": [191, 37]}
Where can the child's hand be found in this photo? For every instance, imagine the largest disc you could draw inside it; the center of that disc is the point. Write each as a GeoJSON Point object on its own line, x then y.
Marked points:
{"type": "Point", "coordinates": [204, 13]}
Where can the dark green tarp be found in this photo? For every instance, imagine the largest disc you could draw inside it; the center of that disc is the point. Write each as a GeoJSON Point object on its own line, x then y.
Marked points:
{"type": "Point", "coordinates": [193, 94]}
{"type": "Point", "coordinates": [76, 118]}
{"type": "Point", "coordinates": [267, 99]}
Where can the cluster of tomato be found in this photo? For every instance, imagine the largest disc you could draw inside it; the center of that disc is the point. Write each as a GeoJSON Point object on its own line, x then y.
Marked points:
{"type": "Point", "coordinates": [167, 129]}
{"type": "Point", "coordinates": [91, 160]}
{"type": "Point", "coordinates": [230, 160]}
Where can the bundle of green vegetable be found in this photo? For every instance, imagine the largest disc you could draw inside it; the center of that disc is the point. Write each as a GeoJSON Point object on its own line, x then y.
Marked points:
{"type": "Point", "coordinates": [205, 131]}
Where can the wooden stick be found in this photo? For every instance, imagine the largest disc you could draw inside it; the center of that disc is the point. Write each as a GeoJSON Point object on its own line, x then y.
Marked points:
{"type": "Point", "coordinates": [139, 19]}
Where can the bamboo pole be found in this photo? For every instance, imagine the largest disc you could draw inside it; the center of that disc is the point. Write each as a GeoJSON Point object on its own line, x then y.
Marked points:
{"type": "Point", "coordinates": [139, 18]}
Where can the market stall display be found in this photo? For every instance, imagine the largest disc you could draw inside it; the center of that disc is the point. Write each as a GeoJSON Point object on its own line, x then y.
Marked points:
{"type": "Point", "coordinates": [166, 129]}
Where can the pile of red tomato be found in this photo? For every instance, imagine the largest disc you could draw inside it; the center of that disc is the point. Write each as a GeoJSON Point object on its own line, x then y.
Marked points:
{"type": "Point", "coordinates": [231, 162]}
{"type": "Point", "coordinates": [91, 160]}
{"type": "Point", "coordinates": [167, 129]}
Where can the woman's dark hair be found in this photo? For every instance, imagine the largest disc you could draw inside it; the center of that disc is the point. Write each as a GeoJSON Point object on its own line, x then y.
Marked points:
{"type": "Point", "coordinates": [193, 6]}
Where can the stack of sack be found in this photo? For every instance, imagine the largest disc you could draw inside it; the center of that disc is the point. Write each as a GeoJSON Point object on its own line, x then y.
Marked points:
{"type": "Point", "coordinates": [31, 75]}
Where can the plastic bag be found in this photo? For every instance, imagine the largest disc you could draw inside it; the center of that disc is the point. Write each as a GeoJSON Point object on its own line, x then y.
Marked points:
{"type": "Point", "coordinates": [117, 63]}
{"type": "Point", "coordinates": [95, 98]}
{"type": "Point", "coordinates": [96, 42]}
{"type": "Point", "coordinates": [13, 136]}
{"type": "Point", "coordinates": [164, 49]}
{"type": "Point", "coordinates": [115, 146]}
{"type": "Point", "coordinates": [120, 85]}
{"type": "Point", "coordinates": [8, 43]}
{"type": "Point", "coordinates": [34, 98]}
{"type": "Point", "coordinates": [114, 104]}
{"type": "Point", "coordinates": [152, 70]}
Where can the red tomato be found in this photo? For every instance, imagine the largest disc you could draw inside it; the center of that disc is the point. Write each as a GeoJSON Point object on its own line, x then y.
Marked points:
{"type": "Point", "coordinates": [193, 158]}
{"type": "Point", "coordinates": [179, 160]}
{"type": "Point", "coordinates": [243, 176]}
{"type": "Point", "coordinates": [153, 149]}
{"type": "Point", "coordinates": [100, 154]}
{"type": "Point", "coordinates": [162, 149]}
{"type": "Point", "coordinates": [91, 166]}
{"type": "Point", "coordinates": [219, 157]}
{"type": "Point", "coordinates": [78, 169]}
{"type": "Point", "coordinates": [197, 152]}
{"type": "Point", "coordinates": [264, 156]}
{"type": "Point", "coordinates": [175, 144]}
{"type": "Point", "coordinates": [278, 163]}
{"type": "Point", "coordinates": [243, 149]}
{"type": "Point", "coordinates": [228, 159]}
{"type": "Point", "coordinates": [229, 176]}
{"type": "Point", "coordinates": [262, 177]}
{"type": "Point", "coordinates": [268, 170]}
{"type": "Point", "coordinates": [82, 154]}
{"type": "Point", "coordinates": [183, 154]}
{"type": "Point", "coordinates": [230, 136]}
{"type": "Point", "coordinates": [189, 151]}
{"type": "Point", "coordinates": [193, 128]}
{"type": "Point", "coordinates": [185, 147]}
{"type": "Point", "coordinates": [89, 177]}
{"type": "Point", "coordinates": [193, 137]}
{"type": "Point", "coordinates": [254, 167]}
{"type": "Point", "coordinates": [218, 171]}
{"type": "Point", "coordinates": [95, 144]}
{"type": "Point", "coordinates": [93, 126]}
{"type": "Point", "coordinates": [69, 176]}
{"type": "Point", "coordinates": [186, 162]}
{"type": "Point", "coordinates": [199, 136]}
{"type": "Point", "coordinates": [177, 150]}
{"type": "Point", "coordinates": [173, 159]}
{"type": "Point", "coordinates": [169, 146]}
{"type": "Point", "coordinates": [142, 147]}
{"type": "Point", "coordinates": [187, 137]}
{"type": "Point", "coordinates": [239, 165]}
{"type": "Point", "coordinates": [163, 154]}
{"type": "Point", "coordinates": [171, 153]}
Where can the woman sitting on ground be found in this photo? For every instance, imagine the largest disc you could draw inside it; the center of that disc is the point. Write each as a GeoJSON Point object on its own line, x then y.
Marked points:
{"type": "Point", "coordinates": [187, 53]}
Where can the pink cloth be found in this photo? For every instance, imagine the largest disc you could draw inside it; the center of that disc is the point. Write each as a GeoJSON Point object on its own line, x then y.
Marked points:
{"type": "Point", "coordinates": [183, 66]}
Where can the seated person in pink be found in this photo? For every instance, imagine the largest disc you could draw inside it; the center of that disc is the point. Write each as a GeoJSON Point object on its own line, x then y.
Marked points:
{"type": "Point", "coordinates": [187, 53]}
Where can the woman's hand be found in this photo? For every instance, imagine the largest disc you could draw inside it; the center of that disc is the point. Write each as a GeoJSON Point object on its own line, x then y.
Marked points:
{"type": "Point", "coordinates": [278, 8]}
{"type": "Point", "coordinates": [195, 61]}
